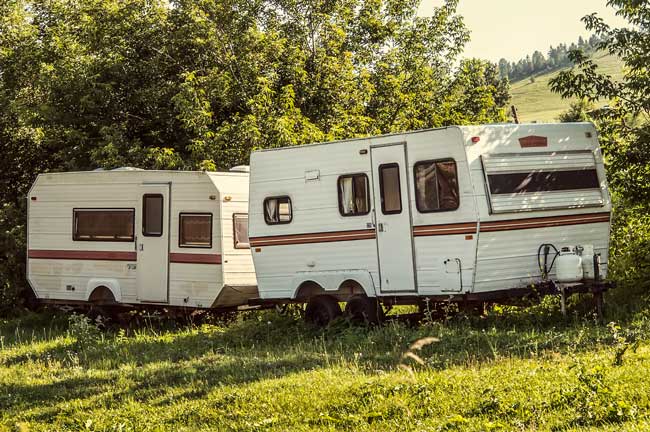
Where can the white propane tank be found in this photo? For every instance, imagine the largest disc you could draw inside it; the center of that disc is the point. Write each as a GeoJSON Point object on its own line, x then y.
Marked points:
{"type": "Point", "coordinates": [568, 266]}
{"type": "Point", "coordinates": [588, 262]}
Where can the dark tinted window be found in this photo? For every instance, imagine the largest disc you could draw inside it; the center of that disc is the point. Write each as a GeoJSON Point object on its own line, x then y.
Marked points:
{"type": "Point", "coordinates": [543, 181]}
{"type": "Point", "coordinates": [277, 210]}
{"type": "Point", "coordinates": [103, 225]}
{"type": "Point", "coordinates": [436, 186]}
{"type": "Point", "coordinates": [389, 185]}
{"type": "Point", "coordinates": [152, 215]}
{"type": "Point", "coordinates": [354, 196]}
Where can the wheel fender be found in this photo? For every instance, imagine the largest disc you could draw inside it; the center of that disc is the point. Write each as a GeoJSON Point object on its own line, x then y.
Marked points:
{"type": "Point", "coordinates": [332, 280]}
{"type": "Point", "coordinates": [112, 284]}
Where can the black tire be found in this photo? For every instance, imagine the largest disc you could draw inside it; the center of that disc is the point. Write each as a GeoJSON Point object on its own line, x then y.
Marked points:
{"type": "Point", "coordinates": [321, 310]}
{"type": "Point", "coordinates": [362, 309]}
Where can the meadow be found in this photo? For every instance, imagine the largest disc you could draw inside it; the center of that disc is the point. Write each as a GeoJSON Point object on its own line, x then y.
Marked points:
{"type": "Point", "coordinates": [536, 103]}
{"type": "Point", "coordinates": [512, 369]}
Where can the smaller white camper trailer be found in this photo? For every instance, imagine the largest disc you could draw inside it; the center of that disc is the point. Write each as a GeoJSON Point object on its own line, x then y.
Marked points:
{"type": "Point", "coordinates": [461, 214]}
{"type": "Point", "coordinates": [140, 238]}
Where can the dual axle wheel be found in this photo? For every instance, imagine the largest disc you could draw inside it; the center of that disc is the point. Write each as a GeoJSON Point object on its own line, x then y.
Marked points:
{"type": "Point", "coordinates": [323, 309]}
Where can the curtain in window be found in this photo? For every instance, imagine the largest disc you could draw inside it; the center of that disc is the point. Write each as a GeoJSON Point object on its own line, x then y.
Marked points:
{"type": "Point", "coordinates": [447, 185]}
{"type": "Point", "coordinates": [360, 194]}
{"type": "Point", "coordinates": [195, 230]}
{"type": "Point", "coordinates": [426, 186]}
{"type": "Point", "coordinates": [347, 196]}
{"type": "Point", "coordinates": [272, 210]}
{"type": "Point", "coordinates": [241, 231]}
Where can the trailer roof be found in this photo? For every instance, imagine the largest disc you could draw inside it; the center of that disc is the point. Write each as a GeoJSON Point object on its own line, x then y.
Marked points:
{"type": "Point", "coordinates": [487, 126]}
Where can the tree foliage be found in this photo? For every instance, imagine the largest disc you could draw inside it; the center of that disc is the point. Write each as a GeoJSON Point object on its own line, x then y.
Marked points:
{"type": "Point", "coordinates": [624, 132]}
{"type": "Point", "coordinates": [556, 57]}
{"type": "Point", "coordinates": [198, 84]}
{"type": "Point", "coordinates": [625, 125]}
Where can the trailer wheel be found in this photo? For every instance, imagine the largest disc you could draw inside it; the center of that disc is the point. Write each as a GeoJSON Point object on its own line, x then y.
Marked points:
{"type": "Point", "coordinates": [363, 309]}
{"type": "Point", "coordinates": [321, 310]}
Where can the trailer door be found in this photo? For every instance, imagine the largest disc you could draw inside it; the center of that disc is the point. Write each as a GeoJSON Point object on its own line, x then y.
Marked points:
{"type": "Point", "coordinates": [393, 218]}
{"type": "Point", "coordinates": [153, 243]}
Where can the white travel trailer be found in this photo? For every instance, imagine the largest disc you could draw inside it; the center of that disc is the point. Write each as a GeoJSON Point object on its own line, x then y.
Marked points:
{"type": "Point", "coordinates": [461, 214]}
{"type": "Point", "coordinates": [134, 238]}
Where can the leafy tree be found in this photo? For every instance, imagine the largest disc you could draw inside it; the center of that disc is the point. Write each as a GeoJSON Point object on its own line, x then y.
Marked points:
{"type": "Point", "coordinates": [624, 132]}
{"type": "Point", "coordinates": [198, 84]}
{"type": "Point", "coordinates": [580, 111]}
{"type": "Point", "coordinates": [626, 125]}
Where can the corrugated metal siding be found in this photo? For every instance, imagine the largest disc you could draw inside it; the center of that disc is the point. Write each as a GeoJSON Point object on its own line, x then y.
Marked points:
{"type": "Point", "coordinates": [50, 228]}
{"type": "Point", "coordinates": [508, 259]}
{"type": "Point", "coordinates": [238, 268]}
{"type": "Point", "coordinates": [546, 161]}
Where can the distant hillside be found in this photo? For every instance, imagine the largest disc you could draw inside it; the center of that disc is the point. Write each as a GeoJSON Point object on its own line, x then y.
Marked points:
{"type": "Point", "coordinates": [535, 102]}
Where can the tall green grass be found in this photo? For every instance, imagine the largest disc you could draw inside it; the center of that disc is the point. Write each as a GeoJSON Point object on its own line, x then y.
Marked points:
{"type": "Point", "coordinates": [514, 369]}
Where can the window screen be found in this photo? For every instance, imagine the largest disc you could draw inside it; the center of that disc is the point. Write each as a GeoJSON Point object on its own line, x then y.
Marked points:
{"type": "Point", "coordinates": [152, 215]}
{"type": "Point", "coordinates": [543, 181]}
{"type": "Point", "coordinates": [277, 210]}
{"type": "Point", "coordinates": [389, 186]}
{"type": "Point", "coordinates": [195, 230]}
{"type": "Point", "coordinates": [354, 196]}
{"type": "Point", "coordinates": [103, 225]}
{"type": "Point", "coordinates": [436, 186]}
{"type": "Point", "coordinates": [240, 230]}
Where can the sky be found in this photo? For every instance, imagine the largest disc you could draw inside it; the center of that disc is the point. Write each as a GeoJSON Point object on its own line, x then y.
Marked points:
{"type": "Point", "coordinates": [512, 29]}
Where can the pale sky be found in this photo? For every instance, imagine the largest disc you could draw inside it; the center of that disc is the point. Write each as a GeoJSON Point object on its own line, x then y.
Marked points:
{"type": "Point", "coordinates": [515, 28]}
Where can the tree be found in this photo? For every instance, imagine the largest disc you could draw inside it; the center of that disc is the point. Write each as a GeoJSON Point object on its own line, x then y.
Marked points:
{"type": "Point", "coordinates": [624, 134]}
{"type": "Point", "coordinates": [504, 68]}
{"type": "Point", "coordinates": [625, 127]}
{"type": "Point", "coordinates": [198, 84]}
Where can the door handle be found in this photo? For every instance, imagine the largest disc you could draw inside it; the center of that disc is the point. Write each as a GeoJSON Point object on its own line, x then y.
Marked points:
{"type": "Point", "coordinates": [141, 247]}
{"type": "Point", "coordinates": [380, 227]}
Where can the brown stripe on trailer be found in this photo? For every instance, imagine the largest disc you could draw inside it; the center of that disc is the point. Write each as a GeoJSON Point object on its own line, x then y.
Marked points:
{"type": "Point", "coordinates": [545, 222]}
{"type": "Point", "coordinates": [193, 258]}
{"type": "Point", "coordinates": [445, 229]}
{"type": "Point", "coordinates": [82, 255]}
{"type": "Point", "coordinates": [319, 237]}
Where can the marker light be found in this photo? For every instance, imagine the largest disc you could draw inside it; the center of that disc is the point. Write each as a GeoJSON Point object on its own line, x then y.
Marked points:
{"type": "Point", "coordinates": [476, 139]}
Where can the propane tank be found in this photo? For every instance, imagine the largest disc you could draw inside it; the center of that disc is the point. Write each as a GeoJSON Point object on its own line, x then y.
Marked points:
{"type": "Point", "coordinates": [588, 262]}
{"type": "Point", "coordinates": [568, 265]}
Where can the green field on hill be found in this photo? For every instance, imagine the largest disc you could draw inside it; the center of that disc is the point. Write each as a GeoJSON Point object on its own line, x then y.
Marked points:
{"type": "Point", "coordinates": [535, 102]}
{"type": "Point", "coordinates": [511, 370]}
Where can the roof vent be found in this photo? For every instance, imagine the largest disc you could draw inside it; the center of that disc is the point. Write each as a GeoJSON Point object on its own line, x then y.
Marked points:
{"type": "Point", "coordinates": [241, 168]}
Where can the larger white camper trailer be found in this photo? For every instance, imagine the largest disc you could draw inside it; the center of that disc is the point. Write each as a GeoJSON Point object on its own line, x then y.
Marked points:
{"type": "Point", "coordinates": [133, 237]}
{"type": "Point", "coordinates": [476, 213]}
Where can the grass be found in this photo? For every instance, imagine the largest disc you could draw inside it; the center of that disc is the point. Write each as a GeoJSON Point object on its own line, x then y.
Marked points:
{"type": "Point", "coordinates": [512, 370]}
{"type": "Point", "coordinates": [536, 102]}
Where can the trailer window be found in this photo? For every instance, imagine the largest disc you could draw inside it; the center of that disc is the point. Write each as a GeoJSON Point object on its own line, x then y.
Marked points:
{"type": "Point", "coordinates": [152, 215]}
{"type": "Point", "coordinates": [389, 188]}
{"type": "Point", "coordinates": [195, 230]}
{"type": "Point", "coordinates": [543, 181]}
{"type": "Point", "coordinates": [436, 185]}
{"type": "Point", "coordinates": [354, 196]}
{"type": "Point", "coordinates": [240, 230]}
{"type": "Point", "coordinates": [277, 210]}
{"type": "Point", "coordinates": [103, 225]}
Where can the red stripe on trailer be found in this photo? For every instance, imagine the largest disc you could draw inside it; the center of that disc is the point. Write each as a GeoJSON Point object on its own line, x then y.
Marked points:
{"type": "Point", "coordinates": [318, 237]}
{"type": "Point", "coordinates": [545, 222]}
{"type": "Point", "coordinates": [445, 229]}
{"type": "Point", "coordinates": [193, 258]}
{"type": "Point", "coordinates": [82, 255]}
